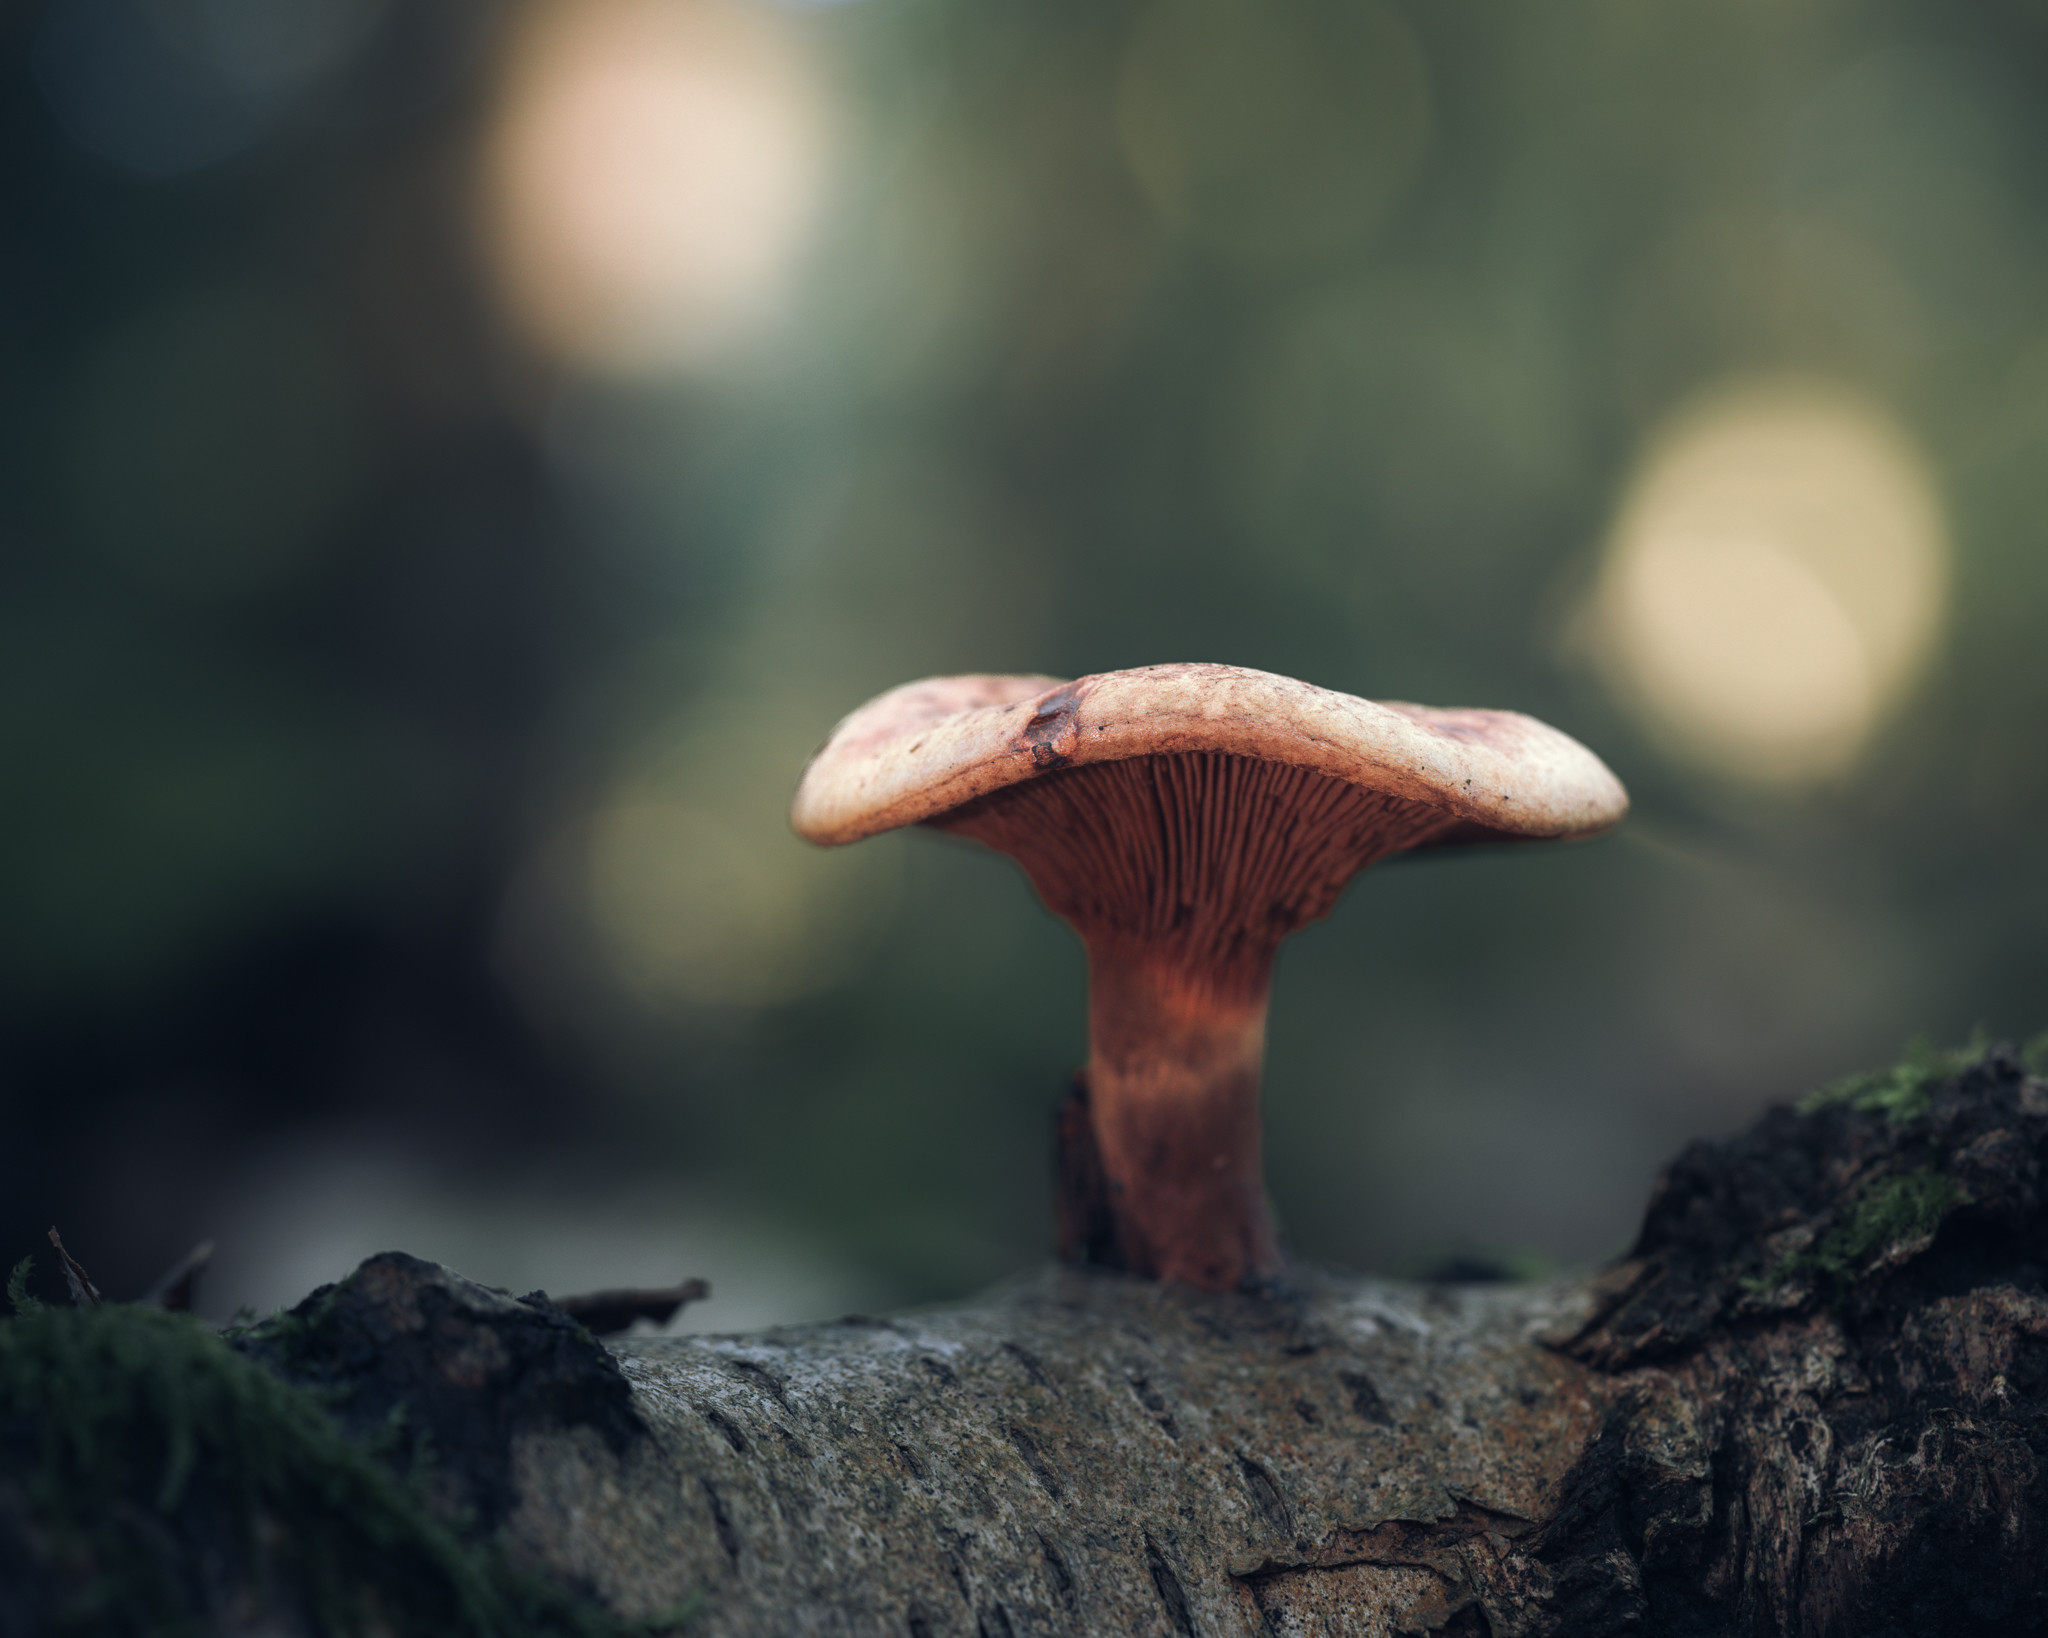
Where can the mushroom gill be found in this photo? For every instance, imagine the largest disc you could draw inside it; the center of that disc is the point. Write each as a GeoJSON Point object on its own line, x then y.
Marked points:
{"type": "Point", "coordinates": [1185, 819]}
{"type": "Point", "coordinates": [1182, 873]}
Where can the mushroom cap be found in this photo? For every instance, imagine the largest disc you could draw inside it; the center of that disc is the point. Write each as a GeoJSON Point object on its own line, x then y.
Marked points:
{"type": "Point", "coordinates": [919, 751]}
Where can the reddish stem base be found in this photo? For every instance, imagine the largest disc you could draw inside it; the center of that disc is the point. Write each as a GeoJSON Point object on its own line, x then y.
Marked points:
{"type": "Point", "coordinates": [1160, 1154]}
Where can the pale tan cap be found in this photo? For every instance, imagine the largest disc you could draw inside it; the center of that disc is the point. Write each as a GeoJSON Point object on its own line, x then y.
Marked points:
{"type": "Point", "coordinates": [926, 748]}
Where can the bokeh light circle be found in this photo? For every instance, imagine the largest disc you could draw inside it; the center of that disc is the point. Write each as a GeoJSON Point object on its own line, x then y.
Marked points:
{"type": "Point", "coordinates": [1775, 581]}
{"type": "Point", "coordinates": [652, 177]}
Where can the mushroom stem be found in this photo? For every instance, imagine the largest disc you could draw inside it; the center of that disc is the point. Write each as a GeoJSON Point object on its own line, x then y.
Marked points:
{"type": "Point", "coordinates": [1173, 1082]}
{"type": "Point", "coordinates": [1184, 819]}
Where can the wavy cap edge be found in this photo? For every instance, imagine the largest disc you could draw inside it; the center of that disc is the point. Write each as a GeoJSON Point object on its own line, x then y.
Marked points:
{"type": "Point", "coordinates": [927, 747]}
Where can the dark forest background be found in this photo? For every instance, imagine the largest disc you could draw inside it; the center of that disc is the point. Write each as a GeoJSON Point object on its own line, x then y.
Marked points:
{"type": "Point", "coordinates": [461, 456]}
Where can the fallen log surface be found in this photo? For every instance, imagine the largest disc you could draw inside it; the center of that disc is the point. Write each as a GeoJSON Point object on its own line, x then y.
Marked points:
{"type": "Point", "coordinates": [1812, 1400]}
{"type": "Point", "coordinates": [1083, 1453]}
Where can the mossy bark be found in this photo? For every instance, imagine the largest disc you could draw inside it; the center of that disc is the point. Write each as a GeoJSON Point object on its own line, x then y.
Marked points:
{"type": "Point", "coordinates": [1813, 1400]}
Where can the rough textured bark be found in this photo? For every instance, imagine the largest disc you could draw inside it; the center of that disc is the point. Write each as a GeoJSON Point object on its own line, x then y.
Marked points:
{"type": "Point", "coordinates": [1813, 1400]}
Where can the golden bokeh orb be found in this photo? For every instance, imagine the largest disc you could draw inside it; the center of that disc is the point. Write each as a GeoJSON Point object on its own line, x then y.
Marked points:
{"type": "Point", "coordinates": [1775, 580]}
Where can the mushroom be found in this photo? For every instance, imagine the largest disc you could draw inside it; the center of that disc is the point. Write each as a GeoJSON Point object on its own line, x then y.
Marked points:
{"type": "Point", "coordinates": [1184, 819]}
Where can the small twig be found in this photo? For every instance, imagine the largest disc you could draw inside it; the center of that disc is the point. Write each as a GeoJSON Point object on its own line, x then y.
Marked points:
{"type": "Point", "coordinates": [174, 1288]}
{"type": "Point", "coordinates": [606, 1313]}
{"type": "Point", "coordinates": [84, 1294]}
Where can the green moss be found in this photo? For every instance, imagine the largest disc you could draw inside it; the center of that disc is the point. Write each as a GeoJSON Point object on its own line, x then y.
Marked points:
{"type": "Point", "coordinates": [162, 1470]}
{"type": "Point", "coordinates": [1901, 1093]}
{"type": "Point", "coordinates": [1904, 1206]}
{"type": "Point", "coordinates": [1885, 1212]}
{"type": "Point", "coordinates": [18, 1298]}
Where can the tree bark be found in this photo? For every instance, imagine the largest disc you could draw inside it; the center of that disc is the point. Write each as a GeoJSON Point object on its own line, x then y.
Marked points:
{"type": "Point", "coordinates": [1084, 1452]}
{"type": "Point", "coordinates": [1813, 1400]}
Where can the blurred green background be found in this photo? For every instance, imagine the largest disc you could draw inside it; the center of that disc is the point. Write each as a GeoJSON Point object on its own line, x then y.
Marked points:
{"type": "Point", "coordinates": [463, 455]}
